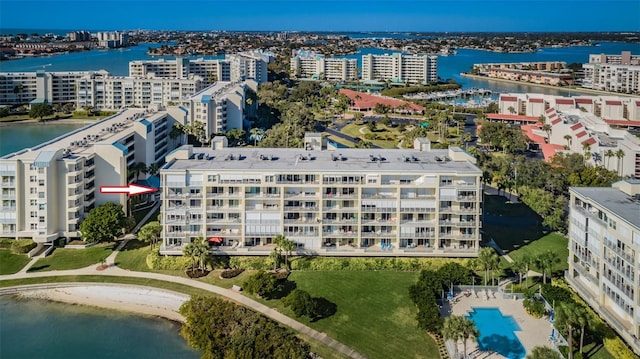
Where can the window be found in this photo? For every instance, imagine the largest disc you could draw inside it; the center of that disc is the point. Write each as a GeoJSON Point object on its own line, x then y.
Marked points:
{"type": "Point", "coordinates": [612, 223]}
{"type": "Point", "coordinates": [33, 190]}
{"type": "Point", "coordinates": [40, 194]}
{"type": "Point", "coordinates": [32, 179]}
{"type": "Point", "coordinates": [33, 202]}
{"type": "Point", "coordinates": [33, 226]}
{"type": "Point", "coordinates": [41, 219]}
{"type": "Point", "coordinates": [33, 214]}
{"type": "Point", "coordinates": [41, 207]}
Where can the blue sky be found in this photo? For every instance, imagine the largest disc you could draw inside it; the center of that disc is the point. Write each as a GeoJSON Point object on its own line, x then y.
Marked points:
{"type": "Point", "coordinates": [324, 15]}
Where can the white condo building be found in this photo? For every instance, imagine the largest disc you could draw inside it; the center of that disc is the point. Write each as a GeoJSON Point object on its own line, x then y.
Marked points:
{"type": "Point", "coordinates": [49, 189]}
{"type": "Point", "coordinates": [604, 252]}
{"type": "Point", "coordinates": [53, 87]}
{"type": "Point", "coordinates": [419, 69]}
{"type": "Point", "coordinates": [221, 107]}
{"type": "Point", "coordinates": [346, 202]}
{"type": "Point", "coordinates": [605, 126]}
{"type": "Point", "coordinates": [310, 65]}
{"type": "Point", "coordinates": [237, 67]}
{"type": "Point", "coordinates": [105, 92]}
{"type": "Point", "coordinates": [617, 73]}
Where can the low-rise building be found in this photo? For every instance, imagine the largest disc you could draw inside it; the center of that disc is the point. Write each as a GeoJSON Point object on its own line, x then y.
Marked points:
{"type": "Point", "coordinates": [548, 73]}
{"type": "Point", "coordinates": [604, 237]}
{"type": "Point", "coordinates": [346, 202]}
{"type": "Point", "coordinates": [47, 190]}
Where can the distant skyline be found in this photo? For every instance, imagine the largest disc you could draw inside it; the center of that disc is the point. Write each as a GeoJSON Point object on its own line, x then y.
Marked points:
{"type": "Point", "coordinates": [325, 15]}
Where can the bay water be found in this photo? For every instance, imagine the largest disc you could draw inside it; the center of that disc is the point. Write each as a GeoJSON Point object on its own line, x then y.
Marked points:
{"type": "Point", "coordinates": [46, 330]}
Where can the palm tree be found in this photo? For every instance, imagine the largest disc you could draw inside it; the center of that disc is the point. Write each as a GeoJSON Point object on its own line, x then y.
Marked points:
{"type": "Point", "coordinates": [583, 318]}
{"type": "Point", "coordinates": [487, 261]}
{"type": "Point", "coordinates": [177, 131]}
{"type": "Point", "coordinates": [468, 330]}
{"type": "Point", "coordinates": [286, 246]}
{"type": "Point", "coordinates": [620, 165]}
{"type": "Point", "coordinates": [137, 168]}
{"type": "Point", "coordinates": [451, 330]}
{"type": "Point", "coordinates": [467, 138]}
{"type": "Point", "coordinates": [546, 262]}
{"type": "Point", "coordinates": [520, 266]}
{"type": "Point", "coordinates": [18, 91]}
{"type": "Point", "coordinates": [511, 110]}
{"type": "Point", "coordinates": [153, 169]}
{"type": "Point", "coordinates": [198, 251]}
{"type": "Point", "coordinates": [547, 128]}
{"type": "Point", "coordinates": [568, 139]}
{"type": "Point", "coordinates": [586, 148]}
{"type": "Point", "coordinates": [255, 133]}
{"type": "Point", "coordinates": [608, 155]}
{"type": "Point", "coordinates": [566, 313]}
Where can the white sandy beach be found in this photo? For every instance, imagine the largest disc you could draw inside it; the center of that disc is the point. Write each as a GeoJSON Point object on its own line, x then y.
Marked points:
{"type": "Point", "coordinates": [137, 299]}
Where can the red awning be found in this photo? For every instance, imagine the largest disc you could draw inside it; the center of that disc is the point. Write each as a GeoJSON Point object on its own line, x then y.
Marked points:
{"type": "Point", "coordinates": [215, 239]}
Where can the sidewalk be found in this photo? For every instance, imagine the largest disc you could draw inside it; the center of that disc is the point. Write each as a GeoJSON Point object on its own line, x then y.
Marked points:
{"type": "Point", "coordinates": [112, 270]}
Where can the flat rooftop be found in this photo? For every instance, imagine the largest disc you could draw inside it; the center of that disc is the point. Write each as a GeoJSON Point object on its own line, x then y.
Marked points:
{"type": "Point", "coordinates": [81, 141]}
{"type": "Point", "coordinates": [265, 160]}
{"type": "Point", "coordinates": [614, 201]}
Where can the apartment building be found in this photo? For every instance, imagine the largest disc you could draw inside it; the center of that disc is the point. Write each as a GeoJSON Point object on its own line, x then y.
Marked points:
{"type": "Point", "coordinates": [105, 92]}
{"type": "Point", "coordinates": [616, 73]}
{"type": "Point", "coordinates": [419, 69]}
{"type": "Point", "coordinates": [340, 202]}
{"type": "Point", "coordinates": [236, 67]}
{"type": "Point", "coordinates": [548, 73]}
{"type": "Point", "coordinates": [53, 87]}
{"type": "Point", "coordinates": [221, 107]}
{"type": "Point", "coordinates": [49, 189]}
{"type": "Point", "coordinates": [112, 39]}
{"type": "Point", "coordinates": [310, 65]}
{"type": "Point", "coordinates": [604, 237]}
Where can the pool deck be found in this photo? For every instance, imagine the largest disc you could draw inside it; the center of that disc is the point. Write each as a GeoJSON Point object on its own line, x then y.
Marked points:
{"type": "Point", "coordinates": [534, 332]}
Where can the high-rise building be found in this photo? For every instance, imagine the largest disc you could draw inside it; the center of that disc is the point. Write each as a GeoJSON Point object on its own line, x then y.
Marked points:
{"type": "Point", "coordinates": [340, 202]}
{"type": "Point", "coordinates": [604, 248]}
{"type": "Point", "coordinates": [47, 190]}
{"type": "Point", "coordinates": [221, 107]}
{"type": "Point", "coordinates": [617, 73]}
{"type": "Point", "coordinates": [419, 69]}
{"type": "Point", "coordinates": [310, 65]}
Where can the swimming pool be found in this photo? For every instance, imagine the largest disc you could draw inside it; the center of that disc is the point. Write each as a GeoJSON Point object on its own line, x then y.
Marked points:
{"type": "Point", "coordinates": [497, 332]}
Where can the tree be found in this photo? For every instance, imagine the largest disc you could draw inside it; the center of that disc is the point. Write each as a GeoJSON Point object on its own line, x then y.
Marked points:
{"type": "Point", "coordinates": [301, 303]}
{"type": "Point", "coordinates": [137, 168]}
{"type": "Point", "coordinates": [511, 110]}
{"type": "Point", "coordinates": [372, 125]}
{"type": "Point", "coordinates": [423, 294]}
{"type": "Point", "coordinates": [467, 138]}
{"type": "Point", "coordinates": [222, 329]}
{"type": "Point", "coordinates": [256, 134]}
{"type": "Point", "coordinates": [17, 90]}
{"type": "Point", "coordinates": [153, 169]}
{"type": "Point", "coordinates": [544, 353]}
{"type": "Point", "coordinates": [487, 260]}
{"type": "Point", "coordinates": [451, 331]}
{"type": "Point", "coordinates": [236, 136]}
{"type": "Point", "coordinates": [286, 245]}
{"type": "Point", "coordinates": [520, 266]}
{"type": "Point", "coordinates": [150, 233]}
{"type": "Point", "coordinates": [262, 284]}
{"type": "Point", "coordinates": [566, 314]}
{"type": "Point", "coordinates": [568, 139]}
{"type": "Point", "coordinates": [40, 110]}
{"type": "Point", "coordinates": [607, 155]}
{"type": "Point", "coordinates": [546, 262]}
{"type": "Point", "coordinates": [620, 165]}
{"type": "Point", "coordinates": [104, 223]}
{"type": "Point", "coordinates": [4, 111]}
{"type": "Point", "coordinates": [583, 320]}
{"type": "Point", "coordinates": [198, 251]}
{"type": "Point", "coordinates": [468, 331]}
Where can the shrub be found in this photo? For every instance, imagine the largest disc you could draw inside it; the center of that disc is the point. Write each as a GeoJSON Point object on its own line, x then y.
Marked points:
{"type": "Point", "coordinates": [282, 275]}
{"type": "Point", "coordinates": [558, 294]}
{"type": "Point", "coordinates": [5, 243]}
{"type": "Point", "coordinates": [22, 245]}
{"type": "Point", "coordinates": [156, 261]}
{"type": "Point", "coordinates": [231, 273]}
{"type": "Point", "coordinates": [300, 303]}
{"type": "Point", "coordinates": [253, 263]}
{"type": "Point", "coordinates": [534, 306]}
{"type": "Point", "coordinates": [262, 284]}
{"type": "Point", "coordinates": [618, 348]}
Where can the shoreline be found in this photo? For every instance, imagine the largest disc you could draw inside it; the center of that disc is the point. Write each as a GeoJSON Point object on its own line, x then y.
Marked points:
{"type": "Point", "coordinates": [139, 300]}
{"type": "Point", "coordinates": [64, 121]}
{"type": "Point", "coordinates": [566, 89]}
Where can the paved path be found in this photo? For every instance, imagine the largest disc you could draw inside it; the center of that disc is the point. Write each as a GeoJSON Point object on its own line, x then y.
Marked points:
{"type": "Point", "coordinates": [112, 270]}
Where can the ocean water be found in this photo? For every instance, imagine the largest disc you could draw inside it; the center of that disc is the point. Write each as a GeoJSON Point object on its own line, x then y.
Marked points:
{"type": "Point", "coordinates": [46, 330]}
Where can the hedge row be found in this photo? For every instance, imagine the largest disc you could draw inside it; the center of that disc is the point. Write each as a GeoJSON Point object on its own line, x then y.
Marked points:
{"type": "Point", "coordinates": [22, 246]}
{"type": "Point", "coordinates": [156, 261]}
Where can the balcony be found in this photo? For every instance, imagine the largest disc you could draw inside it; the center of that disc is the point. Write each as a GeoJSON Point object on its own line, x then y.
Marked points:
{"type": "Point", "coordinates": [626, 256]}
{"type": "Point", "coordinates": [6, 184]}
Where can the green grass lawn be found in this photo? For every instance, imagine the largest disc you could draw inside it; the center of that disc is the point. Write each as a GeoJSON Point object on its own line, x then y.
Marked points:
{"type": "Point", "coordinates": [11, 262]}
{"type": "Point", "coordinates": [63, 258]}
{"type": "Point", "coordinates": [374, 314]}
{"type": "Point", "coordinates": [499, 205]}
{"type": "Point", "coordinates": [552, 241]}
{"type": "Point", "coordinates": [140, 214]}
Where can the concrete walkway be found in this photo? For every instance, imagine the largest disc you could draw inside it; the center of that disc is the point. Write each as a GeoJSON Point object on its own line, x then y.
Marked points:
{"type": "Point", "coordinates": [112, 270]}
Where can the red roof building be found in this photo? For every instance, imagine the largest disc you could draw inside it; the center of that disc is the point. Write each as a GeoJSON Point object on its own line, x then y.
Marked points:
{"type": "Point", "coordinates": [508, 98]}
{"type": "Point", "coordinates": [613, 103]}
{"type": "Point", "coordinates": [622, 123]}
{"type": "Point", "coordinates": [556, 121]}
{"type": "Point", "coordinates": [581, 134]}
{"type": "Point", "coordinates": [362, 101]}
{"type": "Point", "coordinates": [584, 101]}
{"type": "Point", "coordinates": [589, 141]}
{"type": "Point", "coordinates": [549, 150]}
{"type": "Point", "coordinates": [511, 118]}
{"type": "Point", "coordinates": [564, 101]}
{"type": "Point", "coordinates": [536, 100]}
{"type": "Point", "coordinates": [576, 126]}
